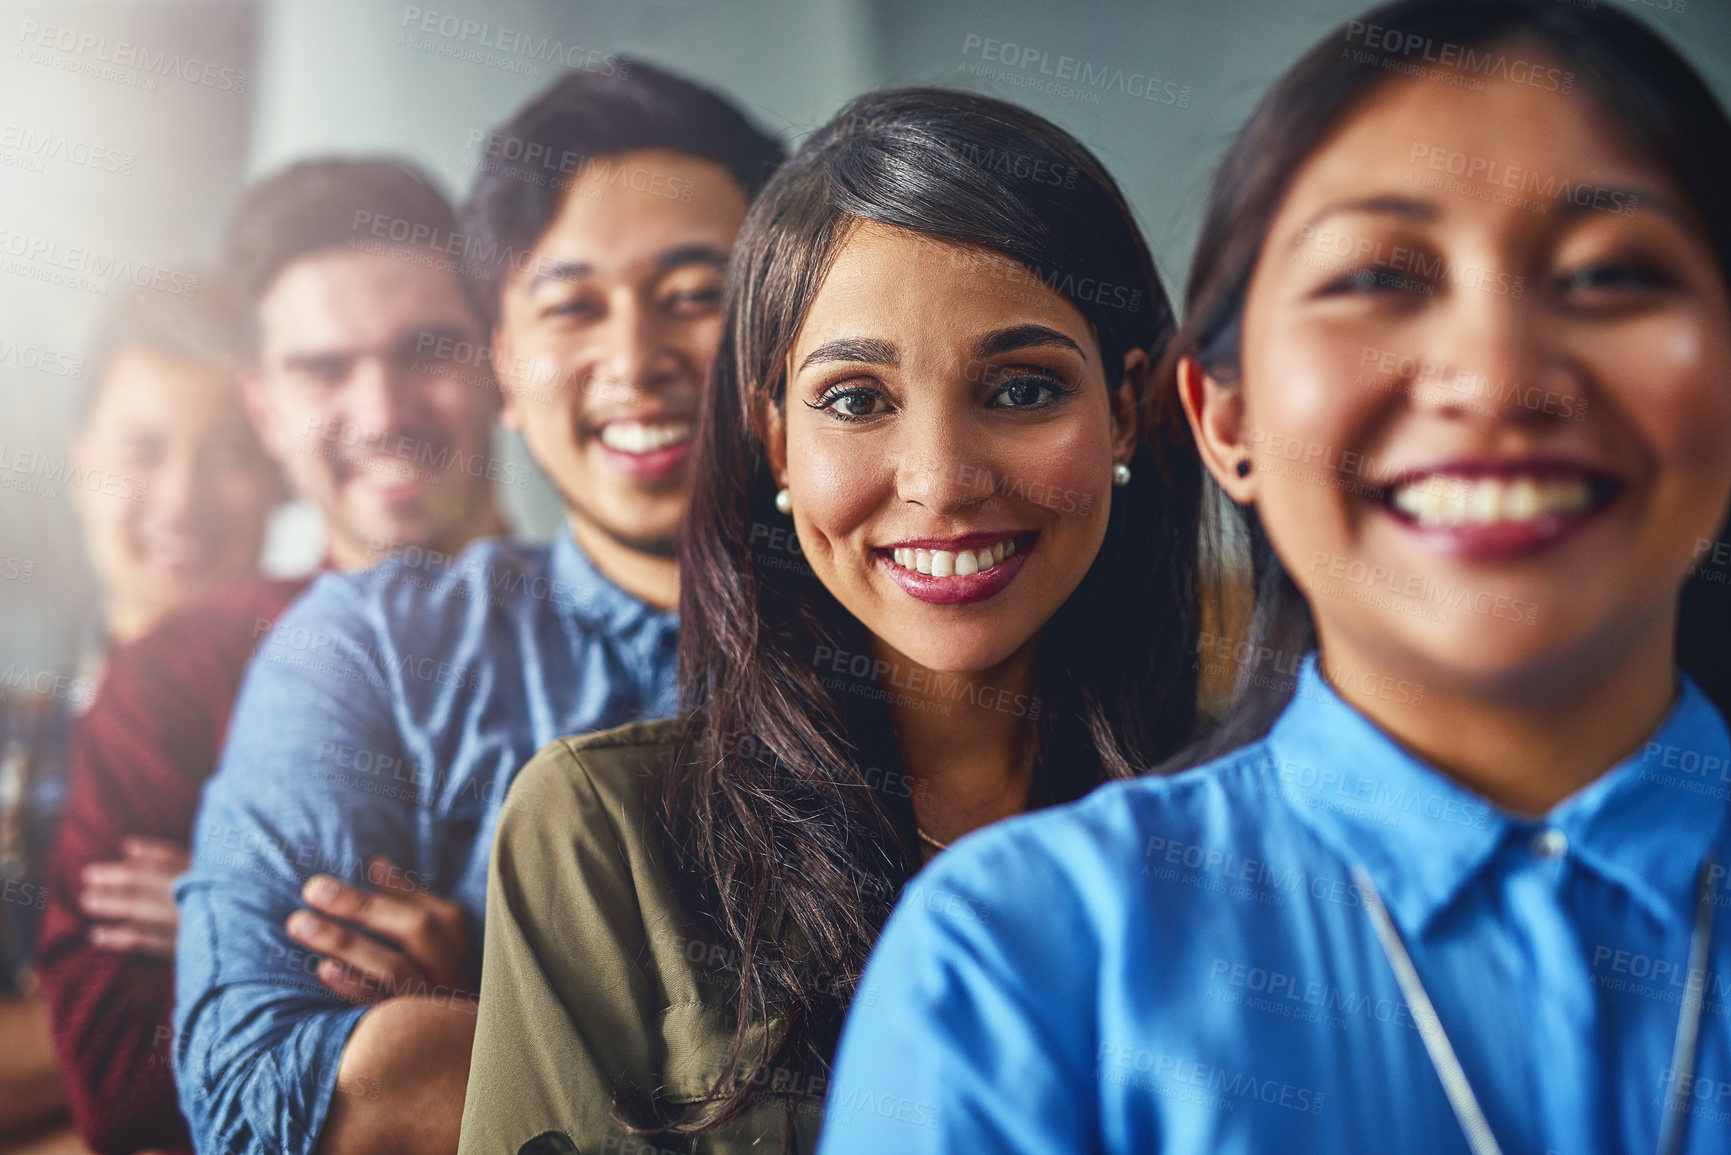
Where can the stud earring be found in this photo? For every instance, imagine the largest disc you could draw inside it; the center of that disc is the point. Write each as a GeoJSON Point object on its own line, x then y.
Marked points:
{"type": "Point", "coordinates": [1243, 467]}
{"type": "Point", "coordinates": [1120, 475]}
{"type": "Point", "coordinates": [784, 501]}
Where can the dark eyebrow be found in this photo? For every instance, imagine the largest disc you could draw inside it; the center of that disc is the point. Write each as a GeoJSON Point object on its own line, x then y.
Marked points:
{"type": "Point", "coordinates": [861, 349]}
{"type": "Point", "coordinates": [677, 257]}
{"type": "Point", "coordinates": [697, 254]}
{"type": "Point", "coordinates": [1399, 206]}
{"type": "Point", "coordinates": [1618, 198]}
{"type": "Point", "coordinates": [559, 271]}
{"type": "Point", "coordinates": [1022, 337]}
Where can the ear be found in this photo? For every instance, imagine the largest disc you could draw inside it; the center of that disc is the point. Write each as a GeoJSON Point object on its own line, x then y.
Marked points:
{"type": "Point", "coordinates": [1126, 405]}
{"type": "Point", "coordinates": [510, 407]}
{"type": "Point", "coordinates": [1216, 415]}
{"type": "Point", "coordinates": [255, 397]}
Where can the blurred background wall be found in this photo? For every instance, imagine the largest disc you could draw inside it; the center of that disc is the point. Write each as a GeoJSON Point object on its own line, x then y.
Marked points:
{"type": "Point", "coordinates": [282, 79]}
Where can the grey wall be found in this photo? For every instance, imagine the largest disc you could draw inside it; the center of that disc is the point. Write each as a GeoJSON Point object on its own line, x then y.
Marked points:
{"type": "Point", "coordinates": [359, 75]}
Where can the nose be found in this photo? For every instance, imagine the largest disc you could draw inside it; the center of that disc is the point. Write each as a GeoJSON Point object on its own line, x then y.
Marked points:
{"type": "Point", "coordinates": [377, 398]}
{"type": "Point", "coordinates": [1496, 360]}
{"type": "Point", "coordinates": [942, 462]}
{"type": "Point", "coordinates": [633, 354]}
{"type": "Point", "coordinates": [176, 491]}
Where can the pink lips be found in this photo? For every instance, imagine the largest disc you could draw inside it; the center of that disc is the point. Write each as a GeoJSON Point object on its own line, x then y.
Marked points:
{"type": "Point", "coordinates": [959, 589]}
{"type": "Point", "coordinates": [650, 466]}
{"type": "Point", "coordinates": [1500, 542]}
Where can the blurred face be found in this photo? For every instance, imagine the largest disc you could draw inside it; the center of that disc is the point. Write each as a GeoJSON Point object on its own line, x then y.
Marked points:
{"type": "Point", "coordinates": [353, 398]}
{"type": "Point", "coordinates": [1488, 428]}
{"type": "Point", "coordinates": [948, 448]}
{"type": "Point", "coordinates": [188, 516]}
{"type": "Point", "coordinates": [606, 335]}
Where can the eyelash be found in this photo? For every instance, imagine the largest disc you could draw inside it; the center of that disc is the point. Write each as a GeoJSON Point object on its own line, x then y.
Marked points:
{"type": "Point", "coordinates": [671, 303]}
{"type": "Point", "coordinates": [835, 393]}
{"type": "Point", "coordinates": [1636, 275]}
{"type": "Point", "coordinates": [1630, 276]}
{"type": "Point", "coordinates": [1381, 281]}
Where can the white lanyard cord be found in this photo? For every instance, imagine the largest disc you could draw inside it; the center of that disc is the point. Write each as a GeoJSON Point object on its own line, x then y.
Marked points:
{"type": "Point", "coordinates": [1430, 1029]}
{"type": "Point", "coordinates": [1671, 1128]}
{"type": "Point", "coordinates": [1448, 1066]}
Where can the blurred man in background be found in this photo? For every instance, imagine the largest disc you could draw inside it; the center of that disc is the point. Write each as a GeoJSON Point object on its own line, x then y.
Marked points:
{"type": "Point", "coordinates": [383, 442]}
{"type": "Point", "coordinates": [172, 493]}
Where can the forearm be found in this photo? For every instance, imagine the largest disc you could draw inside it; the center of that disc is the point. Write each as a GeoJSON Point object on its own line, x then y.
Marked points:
{"type": "Point", "coordinates": [29, 1080]}
{"type": "Point", "coordinates": [401, 1082]}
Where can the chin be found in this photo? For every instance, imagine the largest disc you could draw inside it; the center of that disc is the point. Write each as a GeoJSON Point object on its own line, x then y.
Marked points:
{"type": "Point", "coordinates": [951, 655]}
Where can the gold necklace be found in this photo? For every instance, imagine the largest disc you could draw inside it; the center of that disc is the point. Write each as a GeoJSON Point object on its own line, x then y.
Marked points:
{"type": "Point", "coordinates": [929, 840]}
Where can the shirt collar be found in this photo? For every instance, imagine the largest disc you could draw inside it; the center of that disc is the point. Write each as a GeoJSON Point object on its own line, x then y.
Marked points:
{"type": "Point", "coordinates": [580, 590]}
{"type": "Point", "coordinates": [1645, 824]}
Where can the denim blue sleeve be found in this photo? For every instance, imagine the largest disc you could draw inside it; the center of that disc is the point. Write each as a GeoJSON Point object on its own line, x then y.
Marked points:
{"type": "Point", "coordinates": [302, 788]}
{"type": "Point", "coordinates": [973, 1026]}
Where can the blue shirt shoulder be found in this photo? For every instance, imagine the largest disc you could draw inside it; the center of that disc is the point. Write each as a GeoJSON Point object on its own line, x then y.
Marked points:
{"type": "Point", "coordinates": [1189, 964]}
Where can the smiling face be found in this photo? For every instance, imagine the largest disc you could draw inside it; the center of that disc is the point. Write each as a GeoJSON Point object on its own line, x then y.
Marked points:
{"type": "Point", "coordinates": [606, 335]}
{"type": "Point", "coordinates": [1487, 428]}
{"type": "Point", "coordinates": [948, 448]}
{"type": "Point", "coordinates": [350, 396]}
{"type": "Point", "coordinates": [191, 488]}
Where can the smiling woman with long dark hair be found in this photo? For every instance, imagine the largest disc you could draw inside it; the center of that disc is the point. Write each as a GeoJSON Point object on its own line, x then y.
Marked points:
{"type": "Point", "coordinates": [939, 568]}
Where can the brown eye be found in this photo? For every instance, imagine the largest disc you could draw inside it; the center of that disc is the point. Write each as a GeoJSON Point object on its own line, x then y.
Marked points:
{"type": "Point", "coordinates": [1024, 393]}
{"type": "Point", "coordinates": [1614, 276]}
{"type": "Point", "coordinates": [854, 404]}
{"type": "Point", "coordinates": [695, 303]}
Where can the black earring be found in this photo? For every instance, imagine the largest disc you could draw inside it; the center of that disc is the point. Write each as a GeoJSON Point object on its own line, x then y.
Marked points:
{"type": "Point", "coordinates": [1244, 467]}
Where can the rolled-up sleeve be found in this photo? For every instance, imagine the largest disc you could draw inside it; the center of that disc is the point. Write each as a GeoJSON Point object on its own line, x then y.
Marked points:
{"type": "Point", "coordinates": [309, 783]}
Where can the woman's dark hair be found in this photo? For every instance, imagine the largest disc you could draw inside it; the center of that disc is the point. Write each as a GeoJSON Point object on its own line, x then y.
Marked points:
{"type": "Point", "coordinates": [1643, 85]}
{"type": "Point", "coordinates": [626, 106]}
{"type": "Point", "coordinates": [790, 809]}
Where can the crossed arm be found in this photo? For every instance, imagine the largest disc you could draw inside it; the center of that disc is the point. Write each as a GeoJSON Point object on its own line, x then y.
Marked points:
{"type": "Point", "coordinates": [404, 1069]}
{"type": "Point", "coordinates": [321, 1003]}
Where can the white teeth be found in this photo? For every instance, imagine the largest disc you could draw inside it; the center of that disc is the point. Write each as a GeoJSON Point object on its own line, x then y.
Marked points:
{"type": "Point", "coordinates": [953, 563]}
{"type": "Point", "coordinates": [1444, 500]}
{"type": "Point", "coordinates": [638, 437]}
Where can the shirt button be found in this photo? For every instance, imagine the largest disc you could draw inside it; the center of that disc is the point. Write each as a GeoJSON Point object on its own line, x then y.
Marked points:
{"type": "Point", "coordinates": [1550, 843]}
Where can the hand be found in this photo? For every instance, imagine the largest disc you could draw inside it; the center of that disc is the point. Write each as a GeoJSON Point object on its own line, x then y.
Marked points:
{"type": "Point", "coordinates": [426, 952]}
{"type": "Point", "coordinates": [133, 898]}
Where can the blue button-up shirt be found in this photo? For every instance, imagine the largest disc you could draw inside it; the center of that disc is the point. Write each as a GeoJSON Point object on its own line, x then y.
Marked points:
{"type": "Point", "coordinates": [385, 713]}
{"type": "Point", "coordinates": [1186, 965]}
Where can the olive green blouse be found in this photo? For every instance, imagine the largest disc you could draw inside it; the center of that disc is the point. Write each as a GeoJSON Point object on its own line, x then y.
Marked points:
{"type": "Point", "coordinates": [601, 989]}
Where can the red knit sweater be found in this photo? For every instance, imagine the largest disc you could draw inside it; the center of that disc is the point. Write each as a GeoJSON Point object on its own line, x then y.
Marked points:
{"type": "Point", "coordinates": [139, 761]}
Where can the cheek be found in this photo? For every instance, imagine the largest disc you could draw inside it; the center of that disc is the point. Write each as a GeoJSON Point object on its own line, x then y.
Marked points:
{"type": "Point", "coordinates": [700, 341]}
{"type": "Point", "coordinates": [1303, 411]}
{"type": "Point", "coordinates": [241, 497]}
{"type": "Point", "coordinates": [835, 487]}
{"type": "Point", "coordinates": [1678, 395]}
{"type": "Point", "coordinates": [1315, 389]}
{"type": "Point", "coordinates": [1067, 470]}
